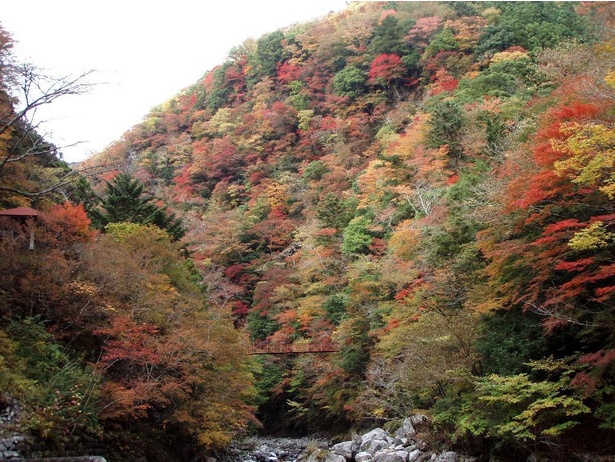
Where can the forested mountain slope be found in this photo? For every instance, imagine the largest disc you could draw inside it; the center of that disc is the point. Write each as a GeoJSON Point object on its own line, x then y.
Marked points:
{"type": "Point", "coordinates": [425, 187]}
{"type": "Point", "coordinates": [108, 343]}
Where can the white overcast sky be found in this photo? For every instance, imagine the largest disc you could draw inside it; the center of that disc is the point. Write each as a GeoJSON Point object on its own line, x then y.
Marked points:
{"type": "Point", "coordinates": [145, 51]}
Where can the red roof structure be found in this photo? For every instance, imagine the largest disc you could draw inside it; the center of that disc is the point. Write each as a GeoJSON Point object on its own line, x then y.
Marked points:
{"type": "Point", "coordinates": [20, 212]}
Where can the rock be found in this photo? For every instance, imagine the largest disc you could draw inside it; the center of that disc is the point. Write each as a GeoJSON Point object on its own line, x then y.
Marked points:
{"type": "Point", "coordinates": [333, 457]}
{"type": "Point", "coordinates": [357, 440]}
{"type": "Point", "coordinates": [260, 455]}
{"type": "Point", "coordinates": [343, 449]}
{"type": "Point", "coordinates": [68, 459]}
{"type": "Point", "coordinates": [414, 456]}
{"type": "Point", "coordinates": [376, 446]}
{"type": "Point", "coordinates": [397, 441]}
{"type": "Point", "coordinates": [406, 430]}
{"type": "Point", "coordinates": [376, 433]}
{"type": "Point", "coordinates": [363, 457]}
{"type": "Point", "coordinates": [395, 456]}
{"type": "Point", "coordinates": [418, 419]}
{"type": "Point", "coordinates": [10, 454]}
{"type": "Point", "coordinates": [448, 456]}
{"type": "Point", "coordinates": [18, 439]}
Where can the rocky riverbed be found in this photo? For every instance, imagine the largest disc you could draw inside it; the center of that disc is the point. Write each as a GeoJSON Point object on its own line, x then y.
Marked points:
{"type": "Point", "coordinates": [377, 445]}
{"type": "Point", "coordinates": [272, 449]}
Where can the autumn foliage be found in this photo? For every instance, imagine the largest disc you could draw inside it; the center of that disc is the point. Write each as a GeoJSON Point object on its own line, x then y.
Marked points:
{"type": "Point", "coordinates": [421, 186]}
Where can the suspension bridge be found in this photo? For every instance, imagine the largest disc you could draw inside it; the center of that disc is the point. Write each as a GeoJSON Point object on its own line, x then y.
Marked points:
{"type": "Point", "coordinates": [325, 346]}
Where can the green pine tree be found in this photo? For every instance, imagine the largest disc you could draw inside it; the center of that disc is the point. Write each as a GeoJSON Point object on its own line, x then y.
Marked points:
{"type": "Point", "coordinates": [126, 201]}
{"type": "Point", "coordinates": [445, 128]}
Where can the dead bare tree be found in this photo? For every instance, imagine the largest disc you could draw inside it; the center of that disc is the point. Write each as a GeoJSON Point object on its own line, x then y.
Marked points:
{"type": "Point", "coordinates": [23, 90]}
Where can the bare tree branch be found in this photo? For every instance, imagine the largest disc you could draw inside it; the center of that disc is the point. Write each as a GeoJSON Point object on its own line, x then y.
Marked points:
{"type": "Point", "coordinates": [25, 89]}
{"type": "Point", "coordinates": [72, 176]}
{"type": "Point", "coordinates": [38, 90]}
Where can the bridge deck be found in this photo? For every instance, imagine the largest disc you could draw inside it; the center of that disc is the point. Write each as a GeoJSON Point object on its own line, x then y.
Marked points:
{"type": "Point", "coordinates": [310, 348]}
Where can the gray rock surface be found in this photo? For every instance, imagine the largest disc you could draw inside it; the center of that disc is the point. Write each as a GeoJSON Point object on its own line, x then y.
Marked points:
{"type": "Point", "coordinates": [333, 457]}
{"type": "Point", "coordinates": [395, 456]}
{"type": "Point", "coordinates": [67, 459]}
{"type": "Point", "coordinates": [363, 457]}
{"type": "Point", "coordinates": [406, 430]}
{"type": "Point", "coordinates": [344, 449]}
{"type": "Point", "coordinates": [375, 446]}
{"type": "Point", "coordinates": [448, 456]}
{"type": "Point", "coordinates": [375, 434]}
